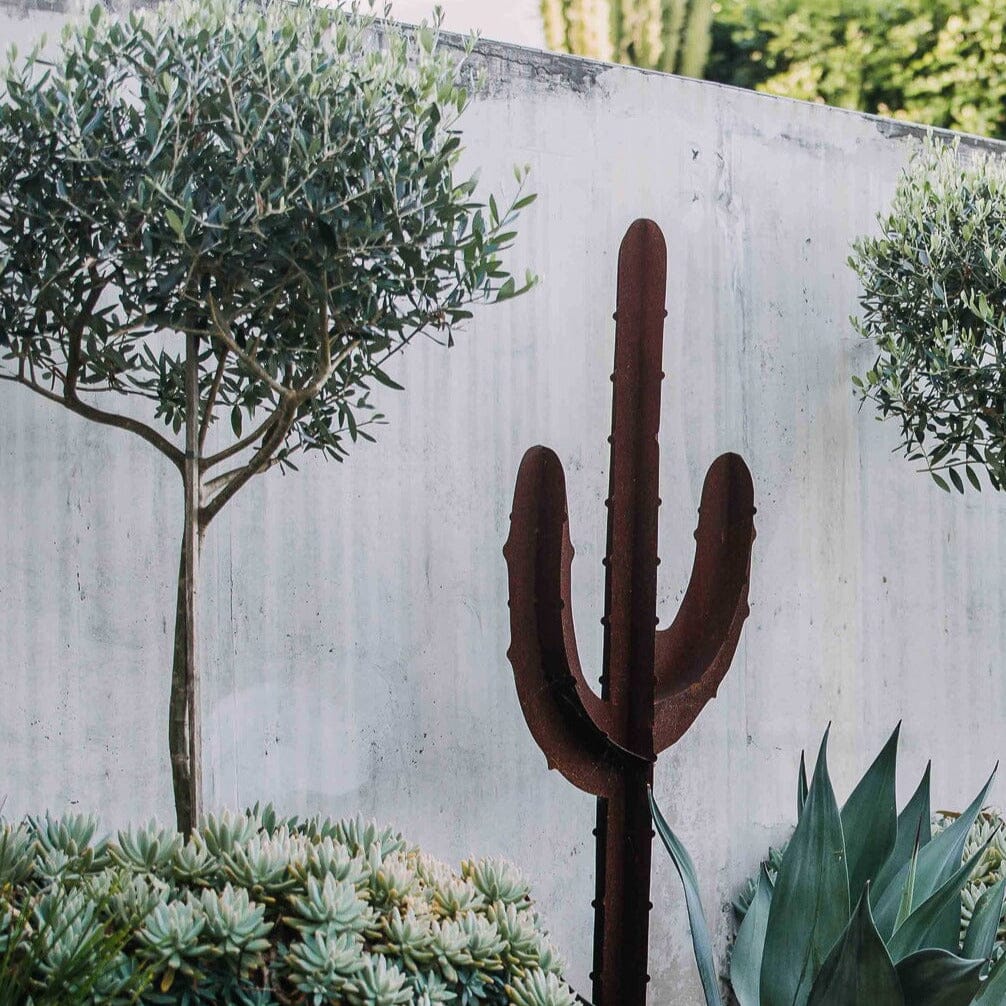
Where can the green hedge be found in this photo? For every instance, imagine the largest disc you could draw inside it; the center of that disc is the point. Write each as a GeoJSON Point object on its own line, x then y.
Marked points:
{"type": "Point", "coordinates": [938, 62]}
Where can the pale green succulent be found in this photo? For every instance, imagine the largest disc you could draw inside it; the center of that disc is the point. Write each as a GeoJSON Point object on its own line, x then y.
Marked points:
{"type": "Point", "coordinates": [497, 880]}
{"type": "Point", "coordinates": [361, 836]}
{"type": "Point", "coordinates": [66, 925]}
{"type": "Point", "coordinates": [392, 881]}
{"type": "Point", "coordinates": [193, 863]}
{"type": "Point", "coordinates": [220, 833]}
{"type": "Point", "coordinates": [172, 937]}
{"type": "Point", "coordinates": [332, 906]}
{"type": "Point", "coordinates": [471, 941]}
{"type": "Point", "coordinates": [17, 853]}
{"type": "Point", "coordinates": [267, 864]}
{"type": "Point", "coordinates": [235, 926]}
{"type": "Point", "coordinates": [131, 898]}
{"type": "Point", "coordinates": [522, 940]}
{"type": "Point", "coordinates": [539, 989]}
{"type": "Point", "coordinates": [378, 983]}
{"type": "Point", "coordinates": [67, 845]}
{"type": "Point", "coordinates": [327, 858]}
{"type": "Point", "coordinates": [264, 909]}
{"type": "Point", "coordinates": [322, 966]}
{"type": "Point", "coordinates": [71, 836]}
{"type": "Point", "coordinates": [455, 897]}
{"type": "Point", "coordinates": [987, 833]}
{"type": "Point", "coordinates": [485, 945]}
{"type": "Point", "coordinates": [429, 989]}
{"type": "Point", "coordinates": [149, 848]}
{"type": "Point", "coordinates": [406, 938]}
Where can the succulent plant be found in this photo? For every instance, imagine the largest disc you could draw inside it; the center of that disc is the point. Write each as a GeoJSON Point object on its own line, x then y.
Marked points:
{"type": "Point", "coordinates": [496, 880]}
{"type": "Point", "coordinates": [172, 936]}
{"type": "Point", "coordinates": [322, 966]}
{"type": "Point", "coordinates": [454, 898]}
{"type": "Point", "coordinates": [266, 864]}
{"type": "Point", "coordinates": [988, 833]}
{"type": "Point", "coordinates": [235, 926]}
{"type": "Point", "coordinates": [150, 848]}
{"type": "Point", "coordinates": [256, 909]}
{"type": "Point", "coordinates": [17, 854]}
{"type": "Point", "coordinates": [406, 938]}
{"type": "Point", "coordinates": [865, 906]}
{"type": "Point", "coordinates": [540, 989]}
{"type": "Point", "coordinates": [333, 907]}
{"type": "Point", "coordinates": [378, 983]}
{"type": "Point", "coordinates": [194, 864]}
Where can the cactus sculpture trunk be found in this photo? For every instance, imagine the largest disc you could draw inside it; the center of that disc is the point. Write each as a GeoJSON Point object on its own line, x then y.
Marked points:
{"type": "Point", "coordinates": [653, 683]}
{"type": "Point", "coordinates": [668, 35]}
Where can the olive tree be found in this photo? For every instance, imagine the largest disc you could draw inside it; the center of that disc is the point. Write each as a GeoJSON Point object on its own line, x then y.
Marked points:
{"type": "Point", "coordinates": [227, 217]}
{"type": "Point", "coordinates": [934, 305]}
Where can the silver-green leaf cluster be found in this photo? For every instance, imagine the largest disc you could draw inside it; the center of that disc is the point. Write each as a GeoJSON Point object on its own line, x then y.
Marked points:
{"type": "Point", "coordinates": [256, 909]}
{"type": "Point", "coordinates": [933, 304]}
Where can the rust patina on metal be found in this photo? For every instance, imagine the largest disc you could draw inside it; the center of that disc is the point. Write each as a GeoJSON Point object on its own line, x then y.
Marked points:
{"type": "Point", "coordinates": [654, 682]}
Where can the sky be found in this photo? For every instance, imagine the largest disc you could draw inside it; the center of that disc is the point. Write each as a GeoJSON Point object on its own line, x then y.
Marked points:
{"type": "Point", "coordinates": [503, 20]}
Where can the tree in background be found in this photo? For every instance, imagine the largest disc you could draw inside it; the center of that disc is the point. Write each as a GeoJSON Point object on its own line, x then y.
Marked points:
{"type": "Point", "coordinates": [938, 62]}
{"type": "Point", "coordinates": [933, 306]}
{"type": "Point", "coordinates": [669, 35]}
{"type": "Point", "coordinates": [224, 211]}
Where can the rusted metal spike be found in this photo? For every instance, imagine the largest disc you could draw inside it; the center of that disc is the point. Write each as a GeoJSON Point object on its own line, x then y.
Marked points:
{"type": "Point", "coordinates": [653, 684]}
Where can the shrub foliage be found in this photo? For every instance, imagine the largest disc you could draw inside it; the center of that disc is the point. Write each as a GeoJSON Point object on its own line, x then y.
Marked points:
{"type": "Point", "coordinates": [934, 304]}
{"type": "Point", "coordinates": [938, 62]}
{"type": "Point", "coordinates": [252, 909]}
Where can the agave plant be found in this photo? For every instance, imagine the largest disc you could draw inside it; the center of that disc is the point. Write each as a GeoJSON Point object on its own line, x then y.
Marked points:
{"type": "Point", "coordinates": [865, 907]}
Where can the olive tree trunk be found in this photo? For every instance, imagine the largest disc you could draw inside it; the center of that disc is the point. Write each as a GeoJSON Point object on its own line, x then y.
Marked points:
{"type": "Point", "coordinates": [184, 730]}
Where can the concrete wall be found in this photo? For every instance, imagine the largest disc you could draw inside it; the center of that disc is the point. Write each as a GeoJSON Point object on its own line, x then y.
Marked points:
{"type": "Point", "coordinates": [354, 620]}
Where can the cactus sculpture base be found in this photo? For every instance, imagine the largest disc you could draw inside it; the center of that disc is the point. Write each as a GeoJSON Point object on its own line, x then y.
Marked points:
{"type": "Point", "coordinates": [654, 682]}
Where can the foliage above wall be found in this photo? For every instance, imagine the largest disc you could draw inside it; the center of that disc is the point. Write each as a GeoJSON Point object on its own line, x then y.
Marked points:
{"type": "Point", "coordinates": [669, 35]}
{"type": "Point", "coordinates": [938, 62]}
{"type": "Point", "coordinates": [933, 305]}
{"type": "Point", "coordinates": [253, 910]}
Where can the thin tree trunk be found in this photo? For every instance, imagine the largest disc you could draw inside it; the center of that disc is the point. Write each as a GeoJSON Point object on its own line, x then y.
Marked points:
{"type": "Point", "coordinates": [184, 729]}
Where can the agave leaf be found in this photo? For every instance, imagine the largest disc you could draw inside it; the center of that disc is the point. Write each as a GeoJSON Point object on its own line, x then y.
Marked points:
{"type": "Point", "coordinates": [801, 786]}
{"type": "Point", "coordinates": [701, 943]}
{"type": "Point", "coordinates": [858, 971]}
{"type": "Point", "coordinates": [981, 935]}
{"type": "Point", "coordinates": [939, 978]}
{"type": "Point", "coordinates": [923, 929]}
{"type": "Point", "coordinates": [745, 961]}
{"type": "Point", "coordinates": [908, 895]}
{"type": "Point", "coordinates": [810, 904]}
{"type": "Point", "coordinates": [914, 819]}
{"type": "Point", "coordinates": [870, 819]}
{"type": "Point", "coordinates": [938, 860]}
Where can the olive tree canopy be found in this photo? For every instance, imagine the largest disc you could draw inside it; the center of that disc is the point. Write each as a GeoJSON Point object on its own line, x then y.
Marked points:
{"type": "Point", "coordinates": [233, 214]}
{"type": "Point", "coordinates": [934, 305]}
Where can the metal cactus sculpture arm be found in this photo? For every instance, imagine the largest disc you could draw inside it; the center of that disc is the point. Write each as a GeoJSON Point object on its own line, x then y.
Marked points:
{"type": "Point", "coordinates": [653, 683]}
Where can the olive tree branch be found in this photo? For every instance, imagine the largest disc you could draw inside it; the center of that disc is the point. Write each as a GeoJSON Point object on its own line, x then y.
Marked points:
{"type": "Point", "coordinates": [211, 398]}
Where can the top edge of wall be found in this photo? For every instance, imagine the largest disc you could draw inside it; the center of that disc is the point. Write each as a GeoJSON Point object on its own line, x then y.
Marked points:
{"type": "Point", "coordinates": [578, 74]}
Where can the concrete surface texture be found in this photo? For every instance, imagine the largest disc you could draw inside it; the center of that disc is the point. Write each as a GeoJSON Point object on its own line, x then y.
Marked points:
{"type": "Point", "coordinates": [354, 617]}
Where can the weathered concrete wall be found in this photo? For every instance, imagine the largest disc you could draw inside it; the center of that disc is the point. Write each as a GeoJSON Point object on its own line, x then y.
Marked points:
{"type": "Point", "coordinates": [354, 620]}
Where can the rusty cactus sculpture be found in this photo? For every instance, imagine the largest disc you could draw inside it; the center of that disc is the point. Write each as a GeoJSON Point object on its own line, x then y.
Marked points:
{"type": "Point", "coordinates": [654, 683]}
